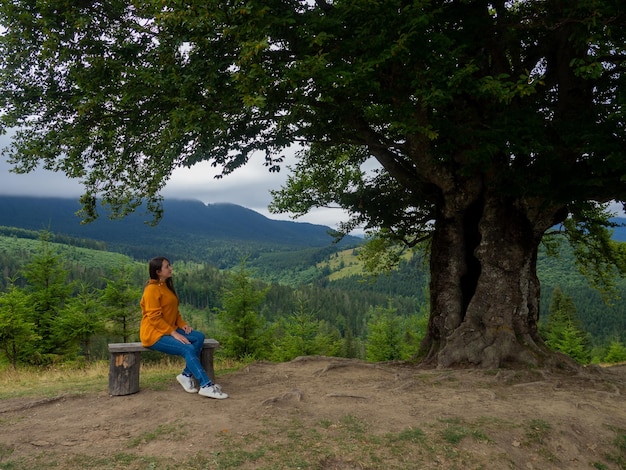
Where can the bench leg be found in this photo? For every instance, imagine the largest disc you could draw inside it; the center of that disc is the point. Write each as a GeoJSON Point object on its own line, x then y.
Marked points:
{"type": "Point", "coordinates": [124, 373]}
{"type": "Point", "coordinates": [206, 358]}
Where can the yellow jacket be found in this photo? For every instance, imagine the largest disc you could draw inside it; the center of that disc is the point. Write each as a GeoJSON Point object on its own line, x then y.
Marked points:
{"type": "Point", "coordinates": [159, 313]}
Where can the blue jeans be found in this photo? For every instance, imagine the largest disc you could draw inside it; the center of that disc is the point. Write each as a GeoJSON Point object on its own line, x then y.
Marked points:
{"type": "Point", "coordinates": [191, 352]}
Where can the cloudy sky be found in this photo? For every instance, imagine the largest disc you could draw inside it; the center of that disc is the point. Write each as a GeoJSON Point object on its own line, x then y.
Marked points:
{"type": "Point", "coordinates": [248, 186]}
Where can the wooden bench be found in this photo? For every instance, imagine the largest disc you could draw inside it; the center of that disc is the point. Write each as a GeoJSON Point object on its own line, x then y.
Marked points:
{"type": "Point", "coordinates": [125, 360]}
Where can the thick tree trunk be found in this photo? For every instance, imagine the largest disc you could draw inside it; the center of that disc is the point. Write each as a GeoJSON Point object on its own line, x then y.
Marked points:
{"type": "Point", "coordinates": [484, 287]}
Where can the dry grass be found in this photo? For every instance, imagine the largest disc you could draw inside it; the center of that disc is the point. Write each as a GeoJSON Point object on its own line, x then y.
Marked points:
{"type": "Point", "coordinates": [67, 379]}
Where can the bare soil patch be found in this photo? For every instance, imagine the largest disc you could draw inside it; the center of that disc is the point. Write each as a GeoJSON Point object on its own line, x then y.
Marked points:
{"type": "Point", "coordinates": [329, 413]}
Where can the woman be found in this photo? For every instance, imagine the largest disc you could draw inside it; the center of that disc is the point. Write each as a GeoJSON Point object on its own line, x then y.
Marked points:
{"type": "Point", "coordinates": [163, 329]}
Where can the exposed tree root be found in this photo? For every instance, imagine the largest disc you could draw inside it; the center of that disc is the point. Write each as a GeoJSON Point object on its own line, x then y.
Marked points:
{"type": "Point", "coordinates": [295, 393]}
{"type": "Point", "coordinates": [345, 395]}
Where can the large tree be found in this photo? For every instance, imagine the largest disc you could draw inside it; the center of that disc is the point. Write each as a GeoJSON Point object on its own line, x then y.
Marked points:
{"type": "Point", "coordinates": [491, 122]}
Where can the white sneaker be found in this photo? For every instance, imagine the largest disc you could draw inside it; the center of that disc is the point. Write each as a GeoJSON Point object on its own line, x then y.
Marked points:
{"type": "Point", "coordinates": [188, 383]}
{"type": "Point", "coordinates": [212, 391]}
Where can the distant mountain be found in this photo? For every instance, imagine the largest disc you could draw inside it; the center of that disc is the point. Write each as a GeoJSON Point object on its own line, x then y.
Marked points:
{"type": "Point", "coordinates": [222, 234]}
{"type": "Point", "coordinates": [188, 228]}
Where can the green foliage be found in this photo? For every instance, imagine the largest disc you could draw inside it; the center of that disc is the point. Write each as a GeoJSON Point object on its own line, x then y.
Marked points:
{"type": "Point", "coordinates": [571, 341]}
{"type": "Point", "coordinates": [304, 334]}
{"type": "Point", "coordinates": [120, 300]}
{"type": "Point", "coordinates": [563, 330]}
{"type": "Point", "coordinates": [82, 318]}
{"type": "Point", "coordinates": [17, 334]}
{"type": "Point", "coordinates": [384, 338]}
{"type": "Point", "coordinates": [599, 258]}
{"type": "Point", "coordinates": [84, 264]}
{"type": "Point", "coordinates": [49, 290]}
{"type": "Point", "coordinates": [351, 347]}
{"type": "Point", "coordinates": [246, 333]}
{"type": "Point", "coordinates": [391, 337]}
{"type": "Point", "coordinates": [65, 312]}
{"type": "Point", "coordinates": [199, 285]}
{"type": "Point", "coordinates": [602, 319]}
{"type": "Point", "coordinates": [616, 352]}
{"type": "Point", "coordinates": [380, 253]}
{"type": "Point", "coordinates": [14, 232]}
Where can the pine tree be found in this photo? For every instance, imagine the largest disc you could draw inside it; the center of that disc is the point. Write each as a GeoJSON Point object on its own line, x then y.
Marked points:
{"type": "Point", "coordinates": [49, 289]}
{"type": "Point", "coordinates": [17, 333]}
{"type": "Point", "coordinates": [563, 330]}
{"type": "Point", "coordinates": [121, 301]}
{"type": "Point", "coordinates": [81, 320]}
{"type": "Point", "coordinates": [246, 335]}
{"type": "Point", "coordinates": [384, 340]}
{"type": "Point", "coordinates": [616, 352]}
{"type": "Point", "coordinates": [305, 335]}
{"type": "Point", "coordinates": [351, 347]}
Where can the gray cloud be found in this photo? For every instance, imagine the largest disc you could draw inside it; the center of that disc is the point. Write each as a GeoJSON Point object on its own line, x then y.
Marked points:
{"type": "Point", "coordinates": [248, 186]}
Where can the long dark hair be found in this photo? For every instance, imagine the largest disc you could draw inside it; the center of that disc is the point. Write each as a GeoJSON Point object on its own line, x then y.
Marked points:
{"type": "Point", "coordinates": [155, 265]}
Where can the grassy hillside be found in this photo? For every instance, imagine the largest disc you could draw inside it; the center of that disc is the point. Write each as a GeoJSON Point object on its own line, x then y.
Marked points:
{"type": "Point", "coordinates": [86, 257]}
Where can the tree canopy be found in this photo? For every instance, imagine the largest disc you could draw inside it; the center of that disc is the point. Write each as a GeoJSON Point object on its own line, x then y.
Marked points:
{"type": "Point", "coordinates": [491, 123]}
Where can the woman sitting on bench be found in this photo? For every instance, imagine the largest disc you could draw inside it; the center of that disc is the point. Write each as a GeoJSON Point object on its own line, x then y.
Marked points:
{"type": "Point", "coordinates": [163, 329]}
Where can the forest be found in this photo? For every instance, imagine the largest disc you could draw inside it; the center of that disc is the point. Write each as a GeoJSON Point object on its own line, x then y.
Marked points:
{"type": "Point", "coordinates": [62, 299]}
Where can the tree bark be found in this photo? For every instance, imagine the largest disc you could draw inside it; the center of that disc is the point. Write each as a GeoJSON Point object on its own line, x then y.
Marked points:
{"type": "Point", "coordinates": [484, 287]}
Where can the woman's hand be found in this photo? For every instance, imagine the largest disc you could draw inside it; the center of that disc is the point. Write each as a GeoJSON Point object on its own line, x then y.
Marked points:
{"type": "Point", "coordinates": [177, 336]}
{"type": "Point", "coordinates": [187, 329]}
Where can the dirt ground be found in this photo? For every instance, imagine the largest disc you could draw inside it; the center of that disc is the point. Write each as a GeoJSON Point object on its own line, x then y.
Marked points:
{"type": "Point", "coordinates": [527, 419]}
